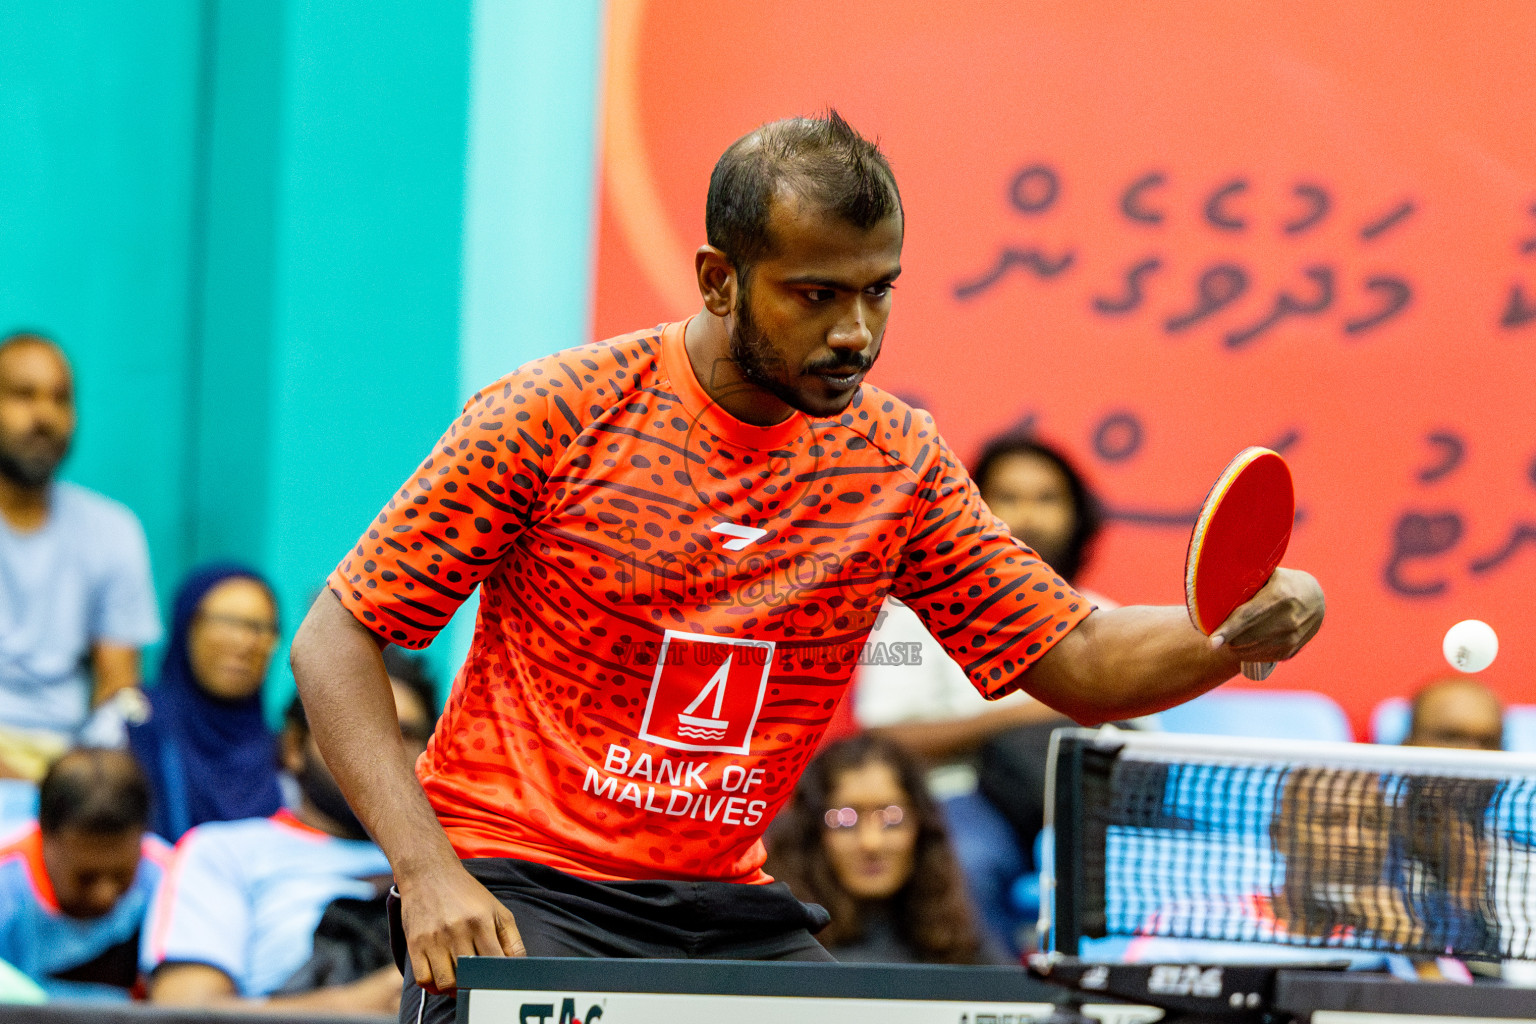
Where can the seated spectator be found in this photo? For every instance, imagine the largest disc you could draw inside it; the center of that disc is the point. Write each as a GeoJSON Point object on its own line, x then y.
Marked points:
{"type": "Point", "coordinates": [286, 911]}
{"type": "Point", "coordinates": [205, 745]}
{"type": "Point", "coordinates": [863, 839]}
{"type": "Point", "coordinates": [1456, 712]}
{"type": "Point", "coordinates": [1447, 816]}
{"type": "Point", "coordinates": [1339, 896]}
{"type": "Point", "coordinates": [934, 710]}
{"type": "Point", "coordinates": [77, 602]}
{"type": "Point", "coordinates": [74, 887]}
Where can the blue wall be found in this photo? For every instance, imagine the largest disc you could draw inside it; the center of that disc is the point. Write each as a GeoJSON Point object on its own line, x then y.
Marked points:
{"type": "Point", "coordinates": [283, 240]}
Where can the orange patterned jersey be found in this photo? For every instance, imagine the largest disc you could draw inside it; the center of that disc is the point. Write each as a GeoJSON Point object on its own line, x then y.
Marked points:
{"type": "Point", "coordinates": [673, 602]}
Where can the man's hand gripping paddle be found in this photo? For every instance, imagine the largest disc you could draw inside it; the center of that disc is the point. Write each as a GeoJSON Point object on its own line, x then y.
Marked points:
{"type": "Point", "coordinates": [1239, 538]}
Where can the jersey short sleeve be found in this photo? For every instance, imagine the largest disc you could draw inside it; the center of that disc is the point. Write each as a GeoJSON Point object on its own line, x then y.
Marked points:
{"type": "Point", "coordinates": [989, 599]}
{"type": "Point", "coordinates": [456, 516]}
{"type": "Point", "coordinates": [201, 913]}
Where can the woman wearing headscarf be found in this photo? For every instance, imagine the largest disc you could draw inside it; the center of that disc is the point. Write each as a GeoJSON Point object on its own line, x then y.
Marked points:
{"type": "Point", "coordinates": [206, 746]}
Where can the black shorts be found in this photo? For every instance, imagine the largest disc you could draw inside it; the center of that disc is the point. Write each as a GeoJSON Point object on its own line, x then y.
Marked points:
{"type": "Point", "coordinates": [562, 915]}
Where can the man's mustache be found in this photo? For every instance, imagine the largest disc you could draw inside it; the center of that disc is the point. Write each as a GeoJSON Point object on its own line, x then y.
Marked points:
{"type": "Point", "coordinates": [851, 363]}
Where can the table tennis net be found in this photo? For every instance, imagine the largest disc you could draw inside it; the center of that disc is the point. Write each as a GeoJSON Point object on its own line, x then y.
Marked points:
{"type": "Point", "coordinates": [1300, 845]}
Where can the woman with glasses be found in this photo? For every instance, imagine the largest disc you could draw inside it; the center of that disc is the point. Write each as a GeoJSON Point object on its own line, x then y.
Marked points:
{"type": "Point", "coordinates": [863, 838]}
{"type": "Point", "coordinates": [205, 744]}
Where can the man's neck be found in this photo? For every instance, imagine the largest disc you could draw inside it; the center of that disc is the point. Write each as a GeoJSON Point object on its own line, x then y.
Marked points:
{"type": "Point", "coordinates": [25, 509]}
{"type": "Point", "coordinates": [708, 343]}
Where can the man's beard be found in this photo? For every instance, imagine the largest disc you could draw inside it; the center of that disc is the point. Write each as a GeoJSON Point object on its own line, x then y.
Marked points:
{"type": "Point", "coordinates": [30, 471]}
{"type": "Point", "coordinates": [760, 365]}
{"type": "Point", "coordinates": [319, 786]}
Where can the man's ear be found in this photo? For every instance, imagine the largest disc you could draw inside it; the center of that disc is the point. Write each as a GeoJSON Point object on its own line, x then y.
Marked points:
{"type": "Point", "coordinates": [717, 280]}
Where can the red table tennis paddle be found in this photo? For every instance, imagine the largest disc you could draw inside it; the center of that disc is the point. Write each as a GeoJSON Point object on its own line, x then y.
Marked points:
{"type": "Point", "coordinates": [1239, 538]}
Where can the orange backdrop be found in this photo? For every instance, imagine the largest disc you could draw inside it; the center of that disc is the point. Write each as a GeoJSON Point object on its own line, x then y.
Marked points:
{"type": "Point", "coordinates": [1157, 239]}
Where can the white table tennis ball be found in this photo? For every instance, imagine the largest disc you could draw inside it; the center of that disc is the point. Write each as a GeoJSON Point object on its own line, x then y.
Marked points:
{"type": "Point", "coordinates": [1471, 645]}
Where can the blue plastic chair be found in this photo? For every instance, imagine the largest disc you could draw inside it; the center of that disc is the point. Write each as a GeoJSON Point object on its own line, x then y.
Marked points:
{"type": "Point", "coordinates": [1520, 728]}
{"type": "Point", "coordinates": [1389, 722]}
{"type": "Point", "coordinates": [1272, 714]}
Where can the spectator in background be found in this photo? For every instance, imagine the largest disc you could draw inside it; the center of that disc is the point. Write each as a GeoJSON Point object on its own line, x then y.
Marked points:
{"type": "Point", "coordinates": [1456, 712]}
{"type": "Point", "coordinates": [286, 911]}
{"type": "Point", "coordinates": [1337, 896]}
{"type": "Point", "coordinates": [863, 839]}
{"type": "Point", "coordinates": [1446, 816]}
{"type": "Point", "coordinates": [932, 709]}
{"type": "Point", "coordinates": [74, 888]}
{"type": "Point", "coordinates": [76, 601]}
{"type": "Point", "coordinates": [205, 746]}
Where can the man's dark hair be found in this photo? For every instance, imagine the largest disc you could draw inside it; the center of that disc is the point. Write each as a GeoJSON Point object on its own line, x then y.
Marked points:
{"type": "Point", "coordinates": [410, 671]}
{"type": "Point", "coordinates": [822, 160]}
{"type": "Point", "coordinates": [1088, 516]}
{"type": "Point", "coordinates": [97, 791]}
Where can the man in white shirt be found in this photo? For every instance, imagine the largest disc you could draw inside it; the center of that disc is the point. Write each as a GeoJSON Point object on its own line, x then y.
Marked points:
{"type": "Point", "coordinates": [76, 600]}
{"type": "Point", "coordinates": [238, 920]}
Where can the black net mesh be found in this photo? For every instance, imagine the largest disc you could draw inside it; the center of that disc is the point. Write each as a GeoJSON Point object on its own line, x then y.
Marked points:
{"type": "Point", "coordinates": [1391, 860]}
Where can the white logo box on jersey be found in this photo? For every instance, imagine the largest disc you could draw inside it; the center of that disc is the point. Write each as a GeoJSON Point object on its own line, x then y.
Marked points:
{"type": "Point", "coordinates": [707, 692]}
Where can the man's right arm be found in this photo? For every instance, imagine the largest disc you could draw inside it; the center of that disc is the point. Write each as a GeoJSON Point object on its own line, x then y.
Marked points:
{"type": "Point", "coordinates": [189, 984]}
{"type": "Point", "coordinates": [956, 737]}
{"type": "Point", "coordinates": [350, 706]}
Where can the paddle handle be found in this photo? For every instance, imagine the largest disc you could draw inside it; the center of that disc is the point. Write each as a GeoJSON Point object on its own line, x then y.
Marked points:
{"type": "Point", "coordinates": [1258, 671]}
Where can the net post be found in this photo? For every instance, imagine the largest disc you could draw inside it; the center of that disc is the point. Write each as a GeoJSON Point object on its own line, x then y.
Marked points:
{"type": "Point", "coordinates": [1064, 776]}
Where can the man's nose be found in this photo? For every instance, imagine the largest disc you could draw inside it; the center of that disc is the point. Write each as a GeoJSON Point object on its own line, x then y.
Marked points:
{"type": "Point", "coordinates": [103, 895]}
{"type": "Point", "coordinates": [49, 415]}
{"type": "Point", "coordinates": [852, 333]}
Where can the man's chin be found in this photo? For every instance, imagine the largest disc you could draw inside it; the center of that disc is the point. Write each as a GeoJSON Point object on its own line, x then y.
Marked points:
{"type": "Point", "coordinates": [30, 473]}
{"type": "Point", "coordinates": [821, 406]}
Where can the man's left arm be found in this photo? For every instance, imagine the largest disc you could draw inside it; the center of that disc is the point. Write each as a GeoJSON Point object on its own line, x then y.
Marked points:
{"type": "Point", "coordinates": [1132, 661]}
{"type": "Point", "coordinates": [113, 668]}
{"type": "Point", "coordinates": [1012, 622]}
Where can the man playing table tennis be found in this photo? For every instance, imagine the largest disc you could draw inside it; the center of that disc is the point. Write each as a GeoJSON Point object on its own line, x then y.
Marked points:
{"type": "Point", "coordinates": [682, 537]}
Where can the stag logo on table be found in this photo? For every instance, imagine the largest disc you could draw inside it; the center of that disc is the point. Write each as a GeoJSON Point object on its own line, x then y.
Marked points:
{"type": "Point", "coordinates": [544, 1013]}
{"type": "Point", "coordinates": [1190, 980]}
{"type": "Point", "coordinates": [707, 692]}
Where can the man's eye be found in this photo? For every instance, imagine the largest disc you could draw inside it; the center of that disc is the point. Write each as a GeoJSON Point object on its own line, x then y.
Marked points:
{"type": "Point", "coordinates": [880, 291]}
{"type": "Point", "coordinates": [818, 295]}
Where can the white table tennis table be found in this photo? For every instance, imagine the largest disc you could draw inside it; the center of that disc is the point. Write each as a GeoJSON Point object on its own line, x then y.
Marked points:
{"type": "Point", "coordinates": [534, 990]}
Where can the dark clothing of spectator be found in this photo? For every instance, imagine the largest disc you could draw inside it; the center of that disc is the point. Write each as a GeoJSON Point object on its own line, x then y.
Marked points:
{"type": "Point", "coordinates": [207, 758]}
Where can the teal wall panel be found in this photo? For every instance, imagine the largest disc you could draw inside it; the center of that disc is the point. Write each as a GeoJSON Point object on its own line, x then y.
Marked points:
{"type": "Point", "coordinates": [228, 449]}
{"type": "Point", "coordinates": [370, 212]}
{"type": "Point", "coordinates": [532, 181]}
{"type": "Point", "coordinates": [98, 109]}
{"type": "Point", "coordinates": [530, 190]}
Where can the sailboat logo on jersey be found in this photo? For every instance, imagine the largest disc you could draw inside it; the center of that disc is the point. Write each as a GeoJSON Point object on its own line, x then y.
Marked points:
{"type": "Point", "coordinates": [707, 692]}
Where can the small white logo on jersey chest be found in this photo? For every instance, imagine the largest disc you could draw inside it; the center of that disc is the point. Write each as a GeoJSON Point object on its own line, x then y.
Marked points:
{"type": "Point", "coordinates": [743, 535]}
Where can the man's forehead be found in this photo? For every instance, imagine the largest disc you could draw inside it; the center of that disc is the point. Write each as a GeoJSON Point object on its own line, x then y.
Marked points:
{"type": "Point", "coordinates": [82, 844]}
{"type": "Point", "coordinates": [804, 232]}
{"type": "Point", "coordinates": [32, 351]}
{"type": "Point", "coordinates": [1458, 699]}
